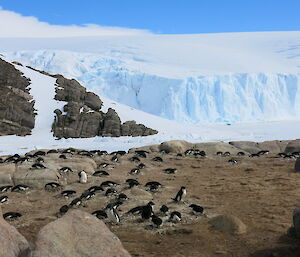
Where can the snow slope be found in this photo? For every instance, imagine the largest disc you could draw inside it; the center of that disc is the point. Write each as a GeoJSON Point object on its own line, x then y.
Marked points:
{"type": "Point", "coordinates": [208, 78]}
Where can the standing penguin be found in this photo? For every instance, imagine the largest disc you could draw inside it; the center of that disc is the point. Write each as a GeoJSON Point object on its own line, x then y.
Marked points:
{"type": "Point", "coordinates": [147, 211]}
{"type": "Point", "coordinates": [82, 177]}
{"type": "Point", "coordinates": [112, 214]}
{"type": "Point", "coordinates": [180, 195]}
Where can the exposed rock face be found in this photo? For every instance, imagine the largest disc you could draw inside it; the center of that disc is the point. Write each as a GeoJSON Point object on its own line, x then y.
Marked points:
{"type": "Point", "coordinates": [12, 243]}
{"type": "Point", "coordinates": [175, 146]}
{"type": "Point", "coordinates": [16, 112]}
{"type": "Point", "coordinates": [251, 147]}
{"type": "Point", "coordinates": [228, 223]}
{"type": "Point", "coordinates": [77, 234]}
{"type": "Point", "coordinates": [83, 118]}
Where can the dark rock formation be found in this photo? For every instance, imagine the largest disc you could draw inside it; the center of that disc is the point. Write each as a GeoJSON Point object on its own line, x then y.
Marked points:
{"type": "Point", "coordinates": [16, 110]}
{"type": "Point", "coordinates": [83, 118]}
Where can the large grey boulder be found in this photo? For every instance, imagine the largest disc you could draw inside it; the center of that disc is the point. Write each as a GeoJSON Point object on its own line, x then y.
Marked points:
{"type": "Point", "coordinates": [248, 146]}
{"type": "Point", "coordinates": [12, 243]}
{"type": "Point", "coordinates": [175, 146]}
{"type": "Point", "coordinates": [293, 146]}
{"type": "Point", "coordinates": [77, 234]}
{"type": "Point", "coordinates": [228, 223]}
{"type": "Point", "coordinates": [111, 124]}
{"type": "Point", "coordinates": [212, 148]}
{"type": "Point", "coordinates": [7, 171]}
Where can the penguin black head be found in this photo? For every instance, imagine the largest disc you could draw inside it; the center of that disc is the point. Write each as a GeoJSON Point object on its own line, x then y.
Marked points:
{"type": "Point", "coordinates": [151, 203]}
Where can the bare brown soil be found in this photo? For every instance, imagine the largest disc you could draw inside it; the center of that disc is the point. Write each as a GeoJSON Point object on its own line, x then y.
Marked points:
{"type": "Point", "coordinates": [262, 192]}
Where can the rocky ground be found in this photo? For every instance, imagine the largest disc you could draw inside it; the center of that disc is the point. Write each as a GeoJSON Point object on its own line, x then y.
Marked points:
{"type": "Point", "coordinates": [261, 192]}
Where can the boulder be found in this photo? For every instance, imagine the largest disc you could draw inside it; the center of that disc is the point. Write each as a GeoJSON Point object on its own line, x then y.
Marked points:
{"type": "Point", "coordinates": [12, 243]}
{"type": "Point", "coordinates": [274, 146]}
{"type": "Point", "coordinates": [7, 171]}
{"type": "Point", "coordinates": [214, 147]}
{"type": "Point", "coordinates": [35, 178]}
{"type": "Point", "coordinates": [228, 223]}
{"type": "Point", "coordinates": [111, 124]}
{"type": "Point", "coordinates": [248, 146]}
{"type": "Point", "coordinates": [130, 128]}
{"type": "Point", "coordinates": [297, 165]}
{"type": "Point", "coordinates": [77, 234]}
{"type": "Point", "coordinates": [149, 148]}
{"type": "Point", "coordinates": [93, 101]}
{"type": "Point", "coordinates": [293, 146]}
{"type": "Point", "coordinates": [140, 194]}
{"type": "Point", "coordinates": [175, 146]}
{"type": "Point", "coordinates": [294, 230]}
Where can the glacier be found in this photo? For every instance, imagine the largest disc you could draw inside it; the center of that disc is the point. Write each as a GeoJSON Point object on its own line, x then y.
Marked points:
{"type": "Point", "coordinates": [224, 98]}
{"type": "Point", "coordinates": [205, 78]}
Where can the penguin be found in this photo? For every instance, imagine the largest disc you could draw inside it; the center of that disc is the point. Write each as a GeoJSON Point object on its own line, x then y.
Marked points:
{"type": "Point", "coordinates": [86, 195]}
{"type": "Point", "coordinates": [76, 202]}
{"type": "Point", "coordinates": [38, 166]}
{"type": "Point", "coordinates": [5, 188]}
{"type": "Point", "coordinates": [69, 151]}
{"type": "Point", "coordinates": [115, 204]}
{"type": "Point", "coordinates": [142, 153]}
{"type": "Point", "coordinates": [226, 154]}
{"type": "Point", "coordinates": [100, 173]}
{"type": "Point", "coordinates": [233, 161]}
{"type": "Point", "coordinates": [108, 184]}
{"type": "Point", "coordinates": [141, 166]}
{"type": "Point", "coordinates": [3, 199]}
{"type": "Point", "coordinates": [156, 221]}
{"type": "Point", "coordinates": [52, 186]}
{"type": "Point", "coordinates": [180, 195]}
{"type": "Point", "coordinates": [134, 171]}
{"type": "Point", "coordinates": [11, 215]}
{"type": "Point", "coordinates": [52, 151]}
{"type": "Point", "coordinates": [65, 169]}
{"type": "Point", "coordinates": [82, 177]}
{"type": "Point", "coordinates": [113, 215]}
{"type": "Point", "coordinates": [122, 197]}
{"type": "Point", "coordinates": [39, 160]}
{"type": "Point", "coordinates": [63, 210]}
{"type": "Point", "coordinates": [21, 160]}
{"type": "Point", "coordinates": [199, 153]}
{"type": "Point", "coordinates": [197, 209]}
{"type": "Point", "coordinates": [132, 182]}
{"type": "Point", "coordinates": [189, 152]}
{"type": "Point", "coordinates": [19, 188]}
{"type": "Point", "coordinates": [164, 209]}
{"type": "Point", "coordinates": [263, 152]}
{"type": "Point", "coordinates": [157, 159]}
{"type": "Point", "coordinates": [175, 217]}
{"type": "Point", "coordinates": [241, 154]}
{"type": "Point", "coordinates": [147, 211]}
{"type": "Point", "coordinates": [103, 164]}
{"type": "Point", "coordinates": [95, 189]}
{"type": "Point", "coordinates": [153, 183]}
{"type": "Point", "coordinates": [67, 193]}
{"type": "Point", "coordinates": [115, 158]}
{"type": "Point", "coordinates": [39, 153]}
{"type": "Point", "coordinates": [179, 155]}
{"type": "Point", "coordinates": [110, 192]}
{"type": "Point", "coordinates": [102, 153]}
{"type": "Point", "coordinates": [100, 214]}
{"type": "Point", "coordinates": [219, 153]}
{"type": "Point", "coordinates": [135, 210]}
{"type": "Point", "coordinates": [170, 170]}
{"type": "Point", "coordinates": [134, 159]}
{"type": "Point", "coordinates": [62, 156]}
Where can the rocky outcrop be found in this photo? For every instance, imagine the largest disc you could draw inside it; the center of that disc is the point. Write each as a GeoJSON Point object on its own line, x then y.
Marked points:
{"type": "Point", "coordinates": [293, 146]}
{"type": "Point", "coordinates": [297, 165]}
{"type": "Point", "coordinates": [16, 109]}
{"type": "Point", "coordinates": [12, 243]}
{"type": "Point", "coordinates": [77, 234]}
{"type": "Point", "coordinates": [83, 118]}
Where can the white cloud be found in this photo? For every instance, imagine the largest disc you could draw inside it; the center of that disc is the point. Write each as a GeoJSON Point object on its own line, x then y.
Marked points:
{"type": "Point", "coordinates": [15, 25]}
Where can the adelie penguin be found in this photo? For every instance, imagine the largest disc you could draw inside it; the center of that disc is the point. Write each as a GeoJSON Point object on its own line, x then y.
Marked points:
{"type": "Point", "coordinates": [112, 214]}
{"type": "Point", "coordinates": [100, 173]}
{"type": "Point", "coordinates": [164, 209]}
{"type": "Point", "coordinates": [100, 214]}
{"type": "Point", "coordinates": [63, 210]}
{"type": "Point", "coordinates": [82, 177]}
{"type": "Point", "coordinates": [3, 199]}
{"type": "Point", "coordinates": [175, 217]}
{"type": "Point", "coordinates": [156, 221]}
{"type": "Point", "coordinates": [11, 215]}
{"type": "Point", "coordinates": [19, 188]}
{"type": "Point", "coordinates": [180, 195]}
{"type": "Point", "coordinates": [65, 169]}
{"type": "Point", "coordinates": [147, 211]}
{"type": "Point", "coordinates": [132, 182]}
{"type": "Point", "coordinates": [5, 188]}
{"type": "Point", "coordinates": [134, 171]}
{"type": "Point", "coordinates": [38, 166]}
{"type": "Point", "coordinates": [52, 186]}
{"type": "Point", "coordinates": [197, 209]}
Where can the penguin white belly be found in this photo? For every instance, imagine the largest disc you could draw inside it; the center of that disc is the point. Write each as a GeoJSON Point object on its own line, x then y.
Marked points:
{"type": "Point", "coordinates": [83, 178]}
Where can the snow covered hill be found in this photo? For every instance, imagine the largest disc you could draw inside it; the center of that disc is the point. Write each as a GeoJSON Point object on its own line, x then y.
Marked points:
{"type": "Point", "coordinates": [234, 77]}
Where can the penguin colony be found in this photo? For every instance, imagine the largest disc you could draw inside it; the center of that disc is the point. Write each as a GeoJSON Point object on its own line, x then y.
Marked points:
{"type": "Point", "coordinates": [173, 210]}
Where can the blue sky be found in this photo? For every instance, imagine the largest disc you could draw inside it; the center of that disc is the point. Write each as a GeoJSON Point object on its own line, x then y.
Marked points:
{"type": "Point", "coordinates": [166, 16]}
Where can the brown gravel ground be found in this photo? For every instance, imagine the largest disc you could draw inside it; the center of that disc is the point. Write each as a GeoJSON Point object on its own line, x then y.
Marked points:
{"type": "Point", "coordinates": [262, 192]}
